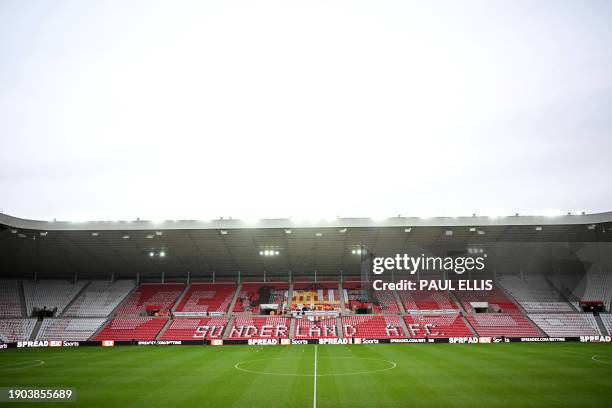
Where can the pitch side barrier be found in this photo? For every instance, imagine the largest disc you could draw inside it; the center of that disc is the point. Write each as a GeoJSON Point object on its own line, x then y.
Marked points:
{"type": "Point", "coordinates": [287, 342]}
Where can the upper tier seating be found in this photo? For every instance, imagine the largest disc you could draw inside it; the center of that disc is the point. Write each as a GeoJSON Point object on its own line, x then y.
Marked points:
{"type": "Point", "coordinates": [497, 324]}
{"type": "Point", "coordinates": [99, 298]}
{"type": "Point", "coordinates": [497, 299]}
{"type": "Point", "coordinates": [132, 328]}
{"type": "Point", "coordinates": [437, 300]}
{"type": "Point", "coordinates": [250, 296]}
{"type": "Point", "coordinates": [371, 326]}
{"type": "Point", "coordinates": [12, 330]}
{"type": "Point", "coordinates": [535, 294]}
{"type": "Point", "coordinates": [162, 294]}
{"type": "Point", "coordinates": [50, 294]}
{"type": "Point", "coordinates": [248, 327]}
{"type": "Point", "coordinates": [306, 329]}
{"type": "Point", "coordinates": [190, 328]}
{"type": "Point", "coordinates": [567, 325]}
{"type": "Point", "coordinates": [69, 329]}
{"type": "Point", "coordinates": [445, 325]}
{"type": "Point", "coordinates": [10, 303]}
{"type": "Point", "coordinates": [208, 298]}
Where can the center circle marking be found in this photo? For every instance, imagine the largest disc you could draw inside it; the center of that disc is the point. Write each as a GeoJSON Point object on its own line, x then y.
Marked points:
{"type": "Point", "coordinates": [391, 366]}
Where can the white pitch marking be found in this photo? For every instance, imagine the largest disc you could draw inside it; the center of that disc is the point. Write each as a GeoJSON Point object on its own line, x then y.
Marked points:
{"type": "Point", "coordinates": [594, 358]}
{"type": "Point", "coordinates": [314, 398]}
{"type": "Point", "coordinates": [392, 365]}
{"type": "Point", "coordinates": [22, 365]}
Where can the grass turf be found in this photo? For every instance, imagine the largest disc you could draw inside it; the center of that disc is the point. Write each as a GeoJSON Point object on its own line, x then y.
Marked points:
{"type": "Point", "coordinates": [436, 375]}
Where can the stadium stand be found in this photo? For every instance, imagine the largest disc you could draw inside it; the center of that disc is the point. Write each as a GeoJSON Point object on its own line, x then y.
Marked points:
{"type": "Point", "coordinates": [208, 298]}
{"type": "Point", "coordinates": [162, 295]}
{"type": "Point", "coordinates": [251, 295]}
{"type": "Point", "coordinates": [371, 326]}
{"type": "Point", "coordinates": [187, 328]}
{"type": "Point", "coordinates": [496, 298]}
{"type": "Point", "coordinates": [430, 313]}
{"type": "Point", "coordinates": [50, 294]}
{"type": "Point", "coordinates": [99, 298]}
{"type": "Point", "coordinates": [69, 329]}
{"type": "Point", "coordinates": [306, 329]}
{"type": "Point", "coordinates": [16, 329]}
{"type": "Point", "coordinates": [535, 294]}
{"type": "Point", "coordinates": [434, 300]}
{"type": "Point", "coordinates": [316, 296]}
{"type": "Point", "coordinates": [594, 286]}
{"type": "Point", "coordinates": [247, 327]}
{"type": "Point", "coordinates": [132, 328]}
{"type": "Point", "coordinates": [10, 303]}
{"type": "Point", "coordinates": [385, 303]}
{"type": "Point", "coordinates": [497, 324]}
{"type": "Point", "coordinates": [436, 325]}
{"type": "Point", "coordinates": [355, 296]}
{"type": "Point", "coordinates": [567, 325]}
{"type": "Point", "coordinates": [606, 318]}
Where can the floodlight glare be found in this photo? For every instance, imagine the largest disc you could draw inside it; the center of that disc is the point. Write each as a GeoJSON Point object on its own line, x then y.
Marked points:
{"type": "Point", "coordinates": [162, 254]}
{"type": "Point", "coordinates": [151, 254]}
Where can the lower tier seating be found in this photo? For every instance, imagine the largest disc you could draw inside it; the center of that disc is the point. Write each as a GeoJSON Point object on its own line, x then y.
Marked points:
{"type": "Point", "coordinates": [187, 328]}
{"type": "Point", "coordinates": [10, 302]}
{"type": "Point", "coordinates": [99, 298]}
{"type": "Point", "coordinates": [250, 327]}
{"type": "Point", "coordinates": [251, 295]}
{"type": "Point", "coordinates": [535, 294]}
{"type": "Point", "coordinates": [207, 298]}
{"type": "Point", "coordinates": [432, 326]}
{"type": "Point", "coordinates": [68, 329]}
{"type": "Point", "coordinates": [385, 303]}
{"type": "Point", "coordinates": [50, 294]}
{"type": "Point", "coordinates": [12, 330]}
{"type": "Point", "coordinates": [371, 326]}
{"type": "Point", "coordinates": [496, 298]}
{"type": "Point", "coordinates": [607, 321]}
{"type": "Point", "coordinates": [426, 300]}
{"type": "Point", "coordinates": [567, 325]}
{"type": "Point", "coordinates": [132, 328]}
{"type": "Point", "coordinates": [497, 324]}
{"type": "Point", "coordinates": [161, 295]}
{"type": "Point", "coordinates": [306, 329]}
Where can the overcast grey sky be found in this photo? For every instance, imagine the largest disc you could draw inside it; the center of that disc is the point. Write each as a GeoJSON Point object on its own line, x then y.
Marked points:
{"type": "Point", "coordinates": [194, 109]}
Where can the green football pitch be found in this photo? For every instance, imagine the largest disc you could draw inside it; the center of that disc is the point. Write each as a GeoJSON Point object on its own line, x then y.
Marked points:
{"type": "Point", "coordinates": [433, 375]}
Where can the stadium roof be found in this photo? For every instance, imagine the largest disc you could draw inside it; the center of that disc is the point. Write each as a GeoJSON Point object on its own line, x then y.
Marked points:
{"type": "Point", "coordinates": [229, 246]}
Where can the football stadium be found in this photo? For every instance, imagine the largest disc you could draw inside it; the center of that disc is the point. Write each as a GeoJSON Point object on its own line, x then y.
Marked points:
{"type": "Point", "coordinates": [305, 204]}
{"type": "Point", "coordinates": [279, 313]}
